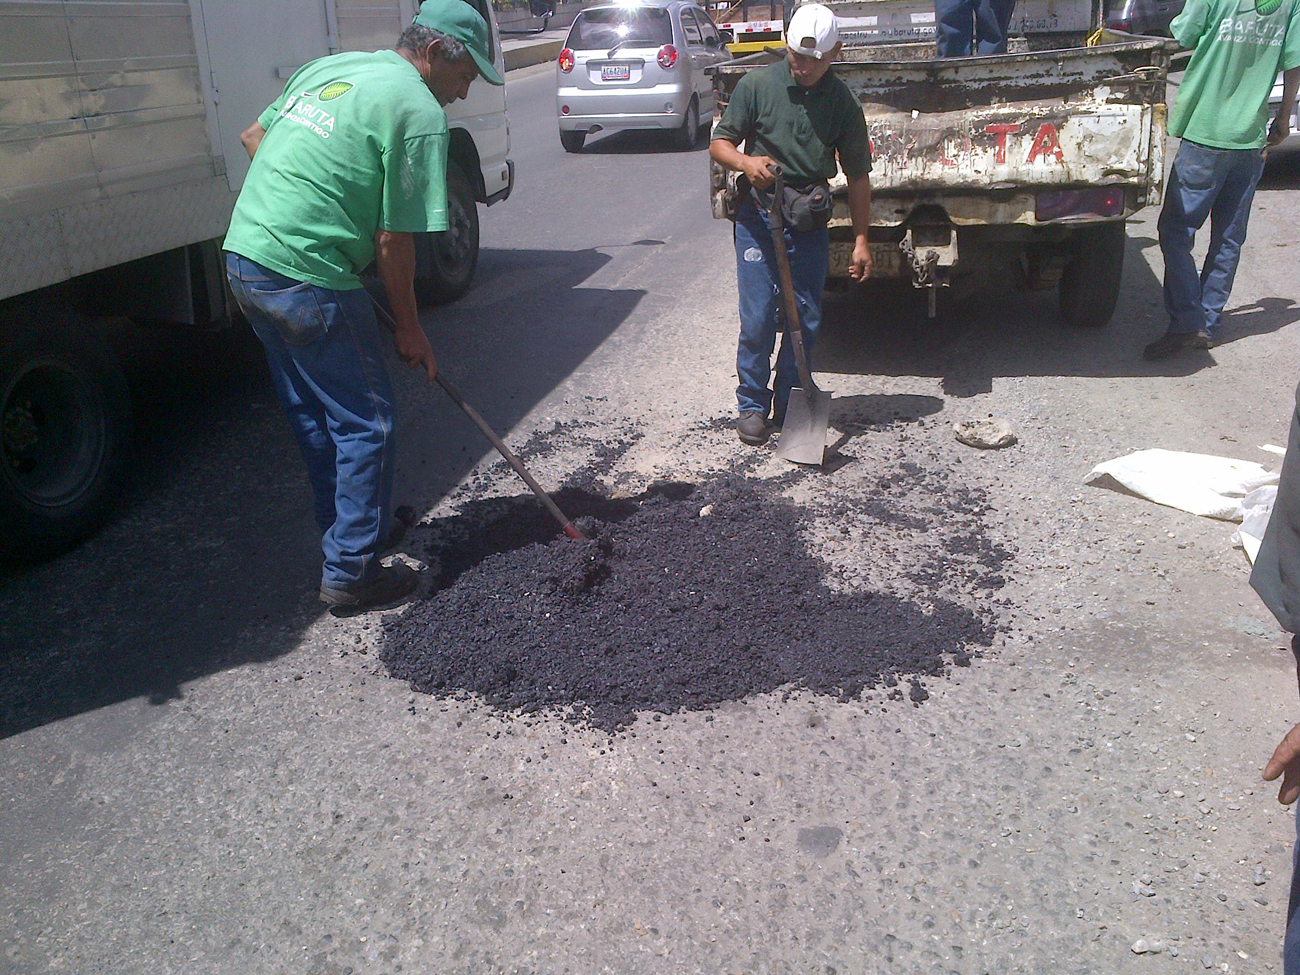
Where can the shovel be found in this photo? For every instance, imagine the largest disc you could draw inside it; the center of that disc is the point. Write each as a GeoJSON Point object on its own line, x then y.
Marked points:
{"type": "Point", "coordinates": [569, 527]}
{"type": "Point", "coordinates": [808, 414]}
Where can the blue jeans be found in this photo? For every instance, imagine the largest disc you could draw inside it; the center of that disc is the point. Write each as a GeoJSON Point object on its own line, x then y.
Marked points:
{"type": "Point", "coordinates": [760, 307]}
{"type": "Point", "coordinates": [1214, 183]}
{"type": "Point", "coordinates": [959, 22]}
{"type": "Point", "coordinates": [327, 368]}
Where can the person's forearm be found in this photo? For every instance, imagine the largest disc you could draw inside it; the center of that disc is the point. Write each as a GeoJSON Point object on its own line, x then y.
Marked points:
{"type": "Point", "coordinates": [395, 258]}
{"type": "Point", "coordinates": [726, 154]}
{"type": "Point", "coordinates": [860, 205]}
{"type": "Point", "coordinates": [251, 138]}
{"type": "Point", "coordinates": [1290, 89]}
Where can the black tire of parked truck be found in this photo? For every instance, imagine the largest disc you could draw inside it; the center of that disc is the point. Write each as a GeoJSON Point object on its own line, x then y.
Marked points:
{"type": "Point", "coordinates": [1090, 283]}
{"type": "Point", "coordinates": [65, 424]}
{"type": "Point", "coordinates": [454, 252]}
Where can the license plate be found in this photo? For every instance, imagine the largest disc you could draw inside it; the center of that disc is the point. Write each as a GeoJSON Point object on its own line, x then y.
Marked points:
{"type": "Point", "coordinates": [615, 72]}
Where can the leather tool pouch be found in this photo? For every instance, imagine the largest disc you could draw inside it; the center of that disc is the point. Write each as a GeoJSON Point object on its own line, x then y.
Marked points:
{"type": "Point", "coordinates": [803, 208]}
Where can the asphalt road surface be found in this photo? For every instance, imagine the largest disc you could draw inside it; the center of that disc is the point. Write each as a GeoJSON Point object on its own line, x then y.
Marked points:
{"type": "Point", "coordinates": [203, 771]}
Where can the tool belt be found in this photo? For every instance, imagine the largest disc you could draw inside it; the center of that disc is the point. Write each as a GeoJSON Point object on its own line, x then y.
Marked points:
{"type": "Point", "coordinates": [803, 207]}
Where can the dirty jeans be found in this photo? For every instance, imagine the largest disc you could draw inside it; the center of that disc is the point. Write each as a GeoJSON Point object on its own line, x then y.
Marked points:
{"type": "Point", "coordinates": [323, 348]}
{"type": "Point", "coordinates": [955, 20]}
{"type": "Point", "coordinates": [1214, 183]}
{"type": "Point", "coordinates": [760, 307]}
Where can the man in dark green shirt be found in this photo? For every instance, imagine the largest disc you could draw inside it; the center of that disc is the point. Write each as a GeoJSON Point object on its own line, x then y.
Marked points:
{"type": "Point", "coordinates": [797, 115]}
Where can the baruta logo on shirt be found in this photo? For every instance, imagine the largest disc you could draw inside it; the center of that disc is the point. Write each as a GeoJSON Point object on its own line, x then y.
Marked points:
{"type": "Point", "coordinates": [310, 115]}
{"type": "Point", "coordinates": [1248, 28]}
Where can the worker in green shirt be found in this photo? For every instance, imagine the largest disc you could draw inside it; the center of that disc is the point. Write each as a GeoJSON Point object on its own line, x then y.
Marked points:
{"type": "Point", "coordinates": [797, 115]}
{"type": "Point", "coordinates": [1221, 114]}
{"type": "Point", "coordinates": [348, 163]}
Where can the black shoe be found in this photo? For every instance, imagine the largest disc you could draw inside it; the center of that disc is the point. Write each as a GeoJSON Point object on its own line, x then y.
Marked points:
{"type": "Point", "coordinates": [752, 429]}
{"type": "Point", "coordinates": [386, 586]}
{"type": "Point", "coordinates": [1171, 343]}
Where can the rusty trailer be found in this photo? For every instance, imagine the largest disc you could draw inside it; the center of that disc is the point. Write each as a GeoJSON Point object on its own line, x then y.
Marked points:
{"type": "Point", "coordinates": [1033, 158]}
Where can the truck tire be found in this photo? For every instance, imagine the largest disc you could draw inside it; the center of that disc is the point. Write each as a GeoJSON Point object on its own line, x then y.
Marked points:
{"type": "Point", "coordinates": [454, 251]}
{"type": "Point", "coordinates": [65, 424]}
{"type": "Point", "coordinates": [572, 141]}
{"type": "Point", "coordinates": [1090, 283]}
{"type": "Point", "coordinates": [688, 136]}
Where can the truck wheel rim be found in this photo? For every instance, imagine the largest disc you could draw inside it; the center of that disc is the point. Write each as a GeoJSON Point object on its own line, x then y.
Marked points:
{"type": "Point", "coordinates": [53, 434]}
{"type": "Point", "coordinates": [454, 243]}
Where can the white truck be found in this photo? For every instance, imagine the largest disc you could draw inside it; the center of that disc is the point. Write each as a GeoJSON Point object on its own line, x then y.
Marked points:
{"type": "Point", "coordinates": [120, 163]}
{"type": "Point", "coordinates": [1033, 158]}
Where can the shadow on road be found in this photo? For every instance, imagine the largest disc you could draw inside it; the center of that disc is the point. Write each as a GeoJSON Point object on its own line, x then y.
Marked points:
{"type": "Point", "coordinates": [988, 329]}
{"type": "Point", "coordinates": [211, 560]}
{"type": "Point", "coordinates": [635, 142]}
{"type": "Point", "coordinates": [1281, 170]}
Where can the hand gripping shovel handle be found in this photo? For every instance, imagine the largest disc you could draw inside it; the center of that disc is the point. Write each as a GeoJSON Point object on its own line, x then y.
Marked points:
{"type": "Point", "coordinates": [793, 328]}
{"type": "Point", "coordinates": [497, 442]}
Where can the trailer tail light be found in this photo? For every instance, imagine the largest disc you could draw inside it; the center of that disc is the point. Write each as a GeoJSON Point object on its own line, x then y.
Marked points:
{"type": "Point", "coordinates": [566, 60]}
{"type": "Point", "coordinates": [1095, 201]}
{"type": "Point", "coordinates": [667, 56]}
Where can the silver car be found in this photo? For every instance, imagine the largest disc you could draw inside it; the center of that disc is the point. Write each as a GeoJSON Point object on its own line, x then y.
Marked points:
{"type": "Point", "coordinates": [637, 65]}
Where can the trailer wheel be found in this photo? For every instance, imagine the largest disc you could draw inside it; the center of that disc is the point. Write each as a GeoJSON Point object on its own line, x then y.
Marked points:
{"type": "Point", "coordinates": [1090, 283]}
{"type": "Point", "coordinates": [65, 423]}
{"type": "Point", "coordinates": [454, 251]}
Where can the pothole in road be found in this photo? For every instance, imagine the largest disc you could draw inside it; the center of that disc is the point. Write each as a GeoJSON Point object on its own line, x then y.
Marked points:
{"type": "Point", "coordinates": [688, 596]}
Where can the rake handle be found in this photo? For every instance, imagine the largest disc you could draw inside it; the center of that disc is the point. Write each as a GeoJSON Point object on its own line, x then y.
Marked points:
{"type": "Point", "coordinates": [569, 528]}
{"type": "Point", "coordinates": [511, 459]}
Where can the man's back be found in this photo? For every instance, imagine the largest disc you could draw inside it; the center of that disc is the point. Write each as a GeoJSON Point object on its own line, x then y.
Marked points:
{"type": "Point", "coordinates": [1239, 47]}
{"type": "Point", "coordinates": [356, 143]}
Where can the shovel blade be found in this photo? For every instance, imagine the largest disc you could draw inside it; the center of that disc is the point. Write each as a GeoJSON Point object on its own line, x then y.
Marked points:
{"type": "Point", "coordinates": [803, 434]}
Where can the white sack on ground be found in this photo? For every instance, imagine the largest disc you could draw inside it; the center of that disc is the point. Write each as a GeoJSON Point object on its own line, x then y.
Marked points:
{"type": "Point", "coordinates": [1213, 487]}
{"type": "Point", "coordinates": [1257, 508]}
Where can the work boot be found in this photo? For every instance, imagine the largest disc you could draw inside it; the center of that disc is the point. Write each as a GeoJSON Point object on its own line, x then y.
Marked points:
{"type": "Point", "coordinates": [1171, 343]}
{"type": "Point", "coordinates": [388, 584]}
{"type": "Point", "coordinates": [752, 429]}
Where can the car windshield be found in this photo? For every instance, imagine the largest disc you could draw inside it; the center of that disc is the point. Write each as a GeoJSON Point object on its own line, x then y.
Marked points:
{"type": "Point", "coordinates": [621, 27]}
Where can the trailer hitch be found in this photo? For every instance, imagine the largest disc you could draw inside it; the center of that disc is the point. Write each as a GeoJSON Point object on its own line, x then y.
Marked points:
{"type": "Point", "coordinates": [930, 264]}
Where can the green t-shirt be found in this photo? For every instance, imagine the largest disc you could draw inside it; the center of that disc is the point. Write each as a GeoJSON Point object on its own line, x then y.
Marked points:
{"type": "Point", "coordinates": [1239, 47]}
{"type": "Point", "coordinates": [357, 143]}
{"type": "Point", "coordinates": [801, 128]}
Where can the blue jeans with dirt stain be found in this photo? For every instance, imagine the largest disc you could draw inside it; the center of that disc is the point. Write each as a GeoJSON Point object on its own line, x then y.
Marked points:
{"type": "Point", "coordinates": [1218, 184]}
{"type": "Point", "coordinates": [760, 308]}
{"type": "Point", "coordinates": [326, 359]}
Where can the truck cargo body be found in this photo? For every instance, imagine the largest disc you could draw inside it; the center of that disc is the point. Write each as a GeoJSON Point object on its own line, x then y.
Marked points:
{"type": "Point", "coordinates": [1030, 157]}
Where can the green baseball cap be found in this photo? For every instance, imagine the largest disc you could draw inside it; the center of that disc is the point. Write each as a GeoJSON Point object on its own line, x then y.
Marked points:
{"type": "Point", "coordinates": [458, 20]}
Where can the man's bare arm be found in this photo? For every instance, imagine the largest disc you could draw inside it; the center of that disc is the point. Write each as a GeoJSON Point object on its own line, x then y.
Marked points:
{"type": "Point", "coordinates": [860, 213]}
{"type": "Point", "coordinates": [1281, 127]}
{"type": "Point", "coordinates": [756, 168]}
{"type": "Point", "coordinates": [395, 258]}
{"type": "Point", "coordinates": [251, 137]}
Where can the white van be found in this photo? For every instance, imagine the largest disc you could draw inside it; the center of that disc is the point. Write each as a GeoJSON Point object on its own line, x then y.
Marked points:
{"type": "Point", "coordinates": [122, 161]}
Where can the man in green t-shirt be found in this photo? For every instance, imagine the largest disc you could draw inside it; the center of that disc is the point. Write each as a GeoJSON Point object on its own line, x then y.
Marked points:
{"type": "Point", "coordinates": [797, 115]}
{"type": "Point", "coordinates": [1221, 114]}
{"type": "Point", "coordinates": [348, 163]}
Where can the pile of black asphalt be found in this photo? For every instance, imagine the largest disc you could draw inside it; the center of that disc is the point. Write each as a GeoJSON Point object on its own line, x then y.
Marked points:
{"type": "Point", "coordinates": [681, 598]}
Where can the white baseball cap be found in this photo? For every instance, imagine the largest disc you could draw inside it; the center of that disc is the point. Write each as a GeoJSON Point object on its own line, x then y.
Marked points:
{"type": "Point", "coordinates": [812, 31]}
